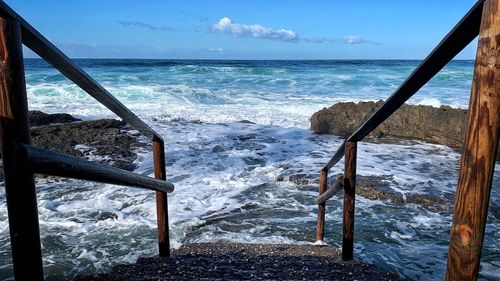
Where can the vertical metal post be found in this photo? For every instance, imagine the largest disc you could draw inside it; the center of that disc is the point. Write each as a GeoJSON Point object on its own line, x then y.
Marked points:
{"type": "Point", "coordinates": [320, 225]}
{"type": "Point", "coordinates": [161, 198]}
{"type": "Point", "coordinates": [349, 194]}
{"type": "Point", "coordinates": [19, 183]}
{"type": "Point", "coordinates": [479, 152]}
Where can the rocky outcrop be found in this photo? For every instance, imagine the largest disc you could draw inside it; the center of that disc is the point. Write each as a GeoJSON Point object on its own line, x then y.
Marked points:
{"type": "Point", "coordinates": [444, 125]}
{"type": "Point", "coordinates": [106, 141]}
{"type": "Point", "coordinates": [38, 118]}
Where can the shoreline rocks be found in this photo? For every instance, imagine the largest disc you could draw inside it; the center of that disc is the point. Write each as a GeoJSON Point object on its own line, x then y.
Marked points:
{"type": "Point", "coordinates": [376, 188]}
{"type": "Point", "coordinates": [443, 125]}
{"type": "Point", "coordinates": [38, 118]}
{"type": "Point", "coordinates": [106, 141]}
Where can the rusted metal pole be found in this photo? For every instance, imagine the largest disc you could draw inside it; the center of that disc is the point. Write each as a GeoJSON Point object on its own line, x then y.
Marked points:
{"type": "Point", "coordinates": [349, 194]}
{"type": "Point", "coordinates": [19, 182]}
{"type": "Point", "coordinates": [161, 198]}
{"type": "Point", "coordinates": [478, 157]}
{"type": "Point", "coordinates": [320, 225]}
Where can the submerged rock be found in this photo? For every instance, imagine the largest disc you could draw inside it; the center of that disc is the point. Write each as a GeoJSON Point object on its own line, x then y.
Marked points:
{"type": "Point", "coordinates": [375, 188]}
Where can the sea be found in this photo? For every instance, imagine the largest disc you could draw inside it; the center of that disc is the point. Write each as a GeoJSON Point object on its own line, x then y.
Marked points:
{"type": "Point", "coordinates": [232, 129]}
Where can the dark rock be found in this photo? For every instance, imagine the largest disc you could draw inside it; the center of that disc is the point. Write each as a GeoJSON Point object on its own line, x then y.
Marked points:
{"type": "Point", "coordinates": [246, 122]}
{"type": "Point", "coordinates": [375, 188]}
{"type": "Point", "coordinates": [301, 179]}
{"type": "Point", "coordinates": [105, 139]}
{"type": "Point", "coordinates": [378, 188]}
{"type": "Point", "coordinates": [425, 200]}
{"type": "Point", "coordinates": [103, 215]}
{"type": "Point", "coordinates": [444, 125]}
{"type": "Point", "coordinates": [38, 118]}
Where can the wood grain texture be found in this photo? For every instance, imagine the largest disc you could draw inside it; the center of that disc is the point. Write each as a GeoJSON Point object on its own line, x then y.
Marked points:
{"type": "Point", "coordinates": [349, 200]}
{"type": "Point", "coordinates": [478, 157]}
{"type": "Point", "coordinates": [320, 224]}
{"type": "Point", "coordinates": [161, 199]}
{"type": "Point", "coordinates": [20, 191]}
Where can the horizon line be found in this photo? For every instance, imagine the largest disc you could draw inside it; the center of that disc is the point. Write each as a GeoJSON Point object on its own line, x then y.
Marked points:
{"type": "Point", "coordinates": [214, 59]}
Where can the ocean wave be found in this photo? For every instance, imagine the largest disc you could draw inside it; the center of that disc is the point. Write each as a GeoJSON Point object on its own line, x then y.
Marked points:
{"type": "Point", "coordinates": [232, 129]}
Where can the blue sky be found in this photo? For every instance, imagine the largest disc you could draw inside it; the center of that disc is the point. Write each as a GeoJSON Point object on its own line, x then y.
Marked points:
{"type": "Point", "coordinates": [272, 29]}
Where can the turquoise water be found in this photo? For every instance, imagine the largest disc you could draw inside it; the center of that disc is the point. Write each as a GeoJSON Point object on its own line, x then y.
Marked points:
{"type": "Point", "coordinates": [226, 171]}
{"type": "Point", "coordinates": [284, 92]}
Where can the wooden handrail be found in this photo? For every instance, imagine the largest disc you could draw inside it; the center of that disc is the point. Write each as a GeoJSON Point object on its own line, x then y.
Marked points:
{"type": "Point", "coordinates": [455, 41]}
{"type": "Point", "coordinates": [161, 198]}
{"type": "Point", "coordinates": [351, 149]}
{"type": "Point", "coordinates": [20, 192]}
{"type": "Point", "coordinates": [333, 189]}
{"type": "Point", "coordinates": [46, 50]}
{"type": "Point", "coordinates": [22, 160]}
{"type": "Point", "coordinates": [43, 161]}
{"type": "Point", "coordinates": [339, 154]}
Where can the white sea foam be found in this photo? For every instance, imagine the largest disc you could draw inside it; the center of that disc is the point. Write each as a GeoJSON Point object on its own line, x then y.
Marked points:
{"type": "Point", "coordinates": [430, 101]}
{"type": "Point", "coordinates": [225, 171]}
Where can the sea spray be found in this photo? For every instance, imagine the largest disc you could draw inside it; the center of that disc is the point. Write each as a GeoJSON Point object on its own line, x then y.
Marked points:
{"type": "Point", "coordinates": [235, 131]}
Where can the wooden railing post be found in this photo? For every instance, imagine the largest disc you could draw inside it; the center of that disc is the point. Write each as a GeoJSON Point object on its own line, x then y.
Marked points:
{"type": "Point", "coordinates": [320, 225]}
{"type": "Point", "coordinates": [161, 198]}
{"type": "Point", "coordinates": [479, 152]}
{"type": "Point", "coordinates": [19, 182]}
{"type": "Point", "coordinates": [349, 194]}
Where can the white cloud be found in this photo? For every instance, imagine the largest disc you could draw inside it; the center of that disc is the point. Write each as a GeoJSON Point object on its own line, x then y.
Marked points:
{"type": "Point", "coordinates": [353, 39]}
{"type": "Point", "coordinates": [225, 25]}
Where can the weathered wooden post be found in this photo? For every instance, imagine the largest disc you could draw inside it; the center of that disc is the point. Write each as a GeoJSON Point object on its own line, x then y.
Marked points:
{"type": "Point", "coordinates": [19, 183]}
{"type": "Point", "coordinates": [478, 156]}
{"type": "Point", "coordinates": [320, 225]}
{"type": "Point", "coordinates": [349, 196]}
{"type": "Point", "coordinates": [161, 198]}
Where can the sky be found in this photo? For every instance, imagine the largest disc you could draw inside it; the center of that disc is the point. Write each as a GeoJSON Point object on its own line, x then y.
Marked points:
{"type": "Point", "coordinates": [237, 29]}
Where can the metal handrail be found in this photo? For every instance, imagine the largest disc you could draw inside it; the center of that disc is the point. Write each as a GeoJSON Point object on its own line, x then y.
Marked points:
{"type": "Point", "coordinates": [455, 41]}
